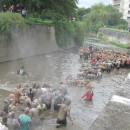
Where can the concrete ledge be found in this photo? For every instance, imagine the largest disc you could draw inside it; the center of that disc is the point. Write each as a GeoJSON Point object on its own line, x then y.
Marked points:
{"type": "Point", "coordinates": [116, 115]}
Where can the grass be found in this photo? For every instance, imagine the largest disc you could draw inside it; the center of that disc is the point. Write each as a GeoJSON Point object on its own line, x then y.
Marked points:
{"type": "Point", "coordinates": [115, 29]}
{"type": "Point", "coordinates": [32, 20]}
{"type": "Point", "coordinates": [102, 37]}
{"type": "Point", "coordinates": [120, 44]}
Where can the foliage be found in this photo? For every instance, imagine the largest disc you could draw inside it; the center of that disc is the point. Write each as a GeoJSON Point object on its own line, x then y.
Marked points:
{"type": "Point", "coordinates": [101, 15]}
{"type": "Point", "coordinates": [116, 28]}
{"type": "Point", "coordinates": [9, 20]}
{"type": "Point", "coordinates": [96, 27]}
{"type": "Point", "coordinates": [80, 30]}
{"type": "Point", "coordinates": [96, 18]}
{"type": "Point", "coordinates": [120, 44]}
{"type": "Point", "coordinates": [32, 20]}
{"type": "Point", "coordinates": [81, 12]}
{"type": "Point", "coordinates": [102, 37]}
{"type": "Point", "coordinates": [113, 16]}
{"type": "Point", "coordinates": [64, 33]}
{"type": "Point", "coordinates": [57, 9]}
{"type": "Point", "coordinates": [67, 31]}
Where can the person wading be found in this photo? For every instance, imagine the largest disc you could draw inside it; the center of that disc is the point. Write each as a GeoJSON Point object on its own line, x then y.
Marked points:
{"type": "Point", "coordinates": [25, 120]}
{"type": "Point", "coordinates": [88, 94]}
{"type": "Point", "coordinates": [64, 112]}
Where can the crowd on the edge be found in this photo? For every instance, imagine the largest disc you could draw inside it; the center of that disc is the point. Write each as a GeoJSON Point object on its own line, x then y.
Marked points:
{"type": "Point", "coordinates": [34, 100]}
{"type": "Point", "coordinates": [15, 9]}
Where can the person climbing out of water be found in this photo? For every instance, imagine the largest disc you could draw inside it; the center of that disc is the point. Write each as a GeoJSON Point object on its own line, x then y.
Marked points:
{"type": "Point", "coordinates": [64, 112]}
{"type": "Point", "coordinates": [88, 94]}
{"type": "Point", "coordinates": [22, 71]}
{"type": "Point", "coordinates": [25, 120]}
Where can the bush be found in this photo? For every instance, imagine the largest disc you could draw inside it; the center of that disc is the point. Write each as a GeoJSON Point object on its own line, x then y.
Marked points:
{"type": "Point", "coordinates": [95, 28]}
{"type": "Point", "coordinates": [32, 20]}
{"type": "Point", "coordinates": [80, 31]}
{"type": "Point", "coordinates": [64, 33]}
{"type": "Point", "coordinates": [10, 20]}
{"type": "Point", "coordinates": [122, 26]}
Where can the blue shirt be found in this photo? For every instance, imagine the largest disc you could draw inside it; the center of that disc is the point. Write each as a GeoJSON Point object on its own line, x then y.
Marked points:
{"type": "Point", "coordinates": [24, 122]}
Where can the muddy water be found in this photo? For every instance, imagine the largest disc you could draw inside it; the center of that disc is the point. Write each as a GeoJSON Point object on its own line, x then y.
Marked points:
{"type": "Point", "coordinates": [54, 68]}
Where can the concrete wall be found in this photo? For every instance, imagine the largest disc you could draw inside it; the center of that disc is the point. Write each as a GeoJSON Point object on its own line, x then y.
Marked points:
{"type": "Point", "coordinates": [30, 41]}
{"type": "Point", "coordinates": [121, 37]}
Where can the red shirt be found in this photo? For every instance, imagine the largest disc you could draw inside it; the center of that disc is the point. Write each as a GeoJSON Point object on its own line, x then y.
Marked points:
{"type": "Point", "coordinates": [94, 59]}
{"type": "Point", "coordinates": [88, 95]}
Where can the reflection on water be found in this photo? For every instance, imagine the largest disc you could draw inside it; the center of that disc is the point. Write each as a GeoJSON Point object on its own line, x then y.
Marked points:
{"type": "Point", "coordinates": [54, 68]}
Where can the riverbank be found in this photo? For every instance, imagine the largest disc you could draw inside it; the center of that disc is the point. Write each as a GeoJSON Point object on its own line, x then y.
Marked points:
{"type": "Point", "coordinates": [121, 39]}
{"type": "Point", "coordinates": [115, 116]}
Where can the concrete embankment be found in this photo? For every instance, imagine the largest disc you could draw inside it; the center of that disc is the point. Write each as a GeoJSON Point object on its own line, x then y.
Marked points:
{"type": "Point", "coordinates": [117, 36]}
{"type": "Point", "coordinates": [32, 40]}
{"type": "Point", "coordinates": [116, 115]}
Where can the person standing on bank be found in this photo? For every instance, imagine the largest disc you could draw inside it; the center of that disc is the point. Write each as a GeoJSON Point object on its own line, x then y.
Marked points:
{"type": "Point", "coordinates": [24, 12]}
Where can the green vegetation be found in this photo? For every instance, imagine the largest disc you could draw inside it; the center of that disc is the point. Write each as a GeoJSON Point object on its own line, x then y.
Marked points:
{"type": "Point", "coordinates": [120, 44]}
{"type": "Point", "coordinates": [102, 37]}
{"type": "Point", "coordinates": [67, 31]}
{"type": "Point", "coordinates": [116, 29]}
{"type": "Point", "coordinates": [10, 20]}
{"type": "Point", "coordinates": [99, 16]}
{"type": "Point", "coordinates": [52, 9]}
{"type": "Point", "coordinates": [80, 31]}
{"type": "Point", "coordinates": [60, 13]}
{"type": "Point", "coordinates": [32, 20]}
{"type": "Point", "coordinates": [64, 33]}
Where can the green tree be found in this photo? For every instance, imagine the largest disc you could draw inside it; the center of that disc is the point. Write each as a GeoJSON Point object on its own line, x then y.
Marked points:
{"type": "Point", "coordinates": [59, 9]}
{"type": "Point", "coordinates": [81, 12]}
{"type": "Point", "coordinates": [96, 18]}
{"type": "Point", "coordinates": [113, 16]}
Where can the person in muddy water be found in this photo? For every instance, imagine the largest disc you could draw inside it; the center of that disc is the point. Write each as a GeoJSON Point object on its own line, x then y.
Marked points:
{"type": "Point", "coordinates": [88, 94]}
{"type": "Point", "coordinates": [25, 120]}
{"type": "Point", "coordinates": [22, 71]}
{"type": "Point", "coordinates": [64, 112]}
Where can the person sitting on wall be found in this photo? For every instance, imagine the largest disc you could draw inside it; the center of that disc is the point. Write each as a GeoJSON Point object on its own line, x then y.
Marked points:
{"type": "Point", "coordinates": [22, 71]}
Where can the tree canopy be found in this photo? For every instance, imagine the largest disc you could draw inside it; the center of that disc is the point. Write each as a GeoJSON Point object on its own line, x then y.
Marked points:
{"type": "Point", "coordinates": [56, 9]}
{"type": "Point", "coordinates": [101, 15]}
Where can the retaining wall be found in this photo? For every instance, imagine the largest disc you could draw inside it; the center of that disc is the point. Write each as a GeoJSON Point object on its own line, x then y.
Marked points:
{"type": "Point", "coordinates": [32, 40]}
{"type": "Point", "coordinates": [118, 36]}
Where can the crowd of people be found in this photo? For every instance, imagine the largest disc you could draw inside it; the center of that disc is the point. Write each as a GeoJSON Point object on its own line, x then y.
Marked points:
{"type": "Point", "coordinates": [97, 61]}
{"type": "Point", "coordinates": [94, 62]}
{"type": "Point", "coordinates": [34, 100]}
{"type": "Point", "coordinates": [15, 9]}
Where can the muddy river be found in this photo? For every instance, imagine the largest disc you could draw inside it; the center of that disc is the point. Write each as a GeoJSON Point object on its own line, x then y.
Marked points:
{"type": "Point", "coordinates": [55, 67]}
